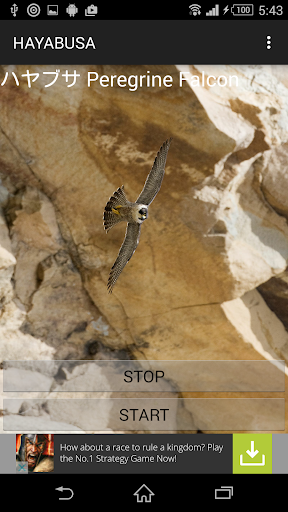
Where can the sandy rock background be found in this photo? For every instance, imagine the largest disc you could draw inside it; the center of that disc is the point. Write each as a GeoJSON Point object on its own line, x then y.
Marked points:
{"type": "Point", "coordinates": [208, 280]}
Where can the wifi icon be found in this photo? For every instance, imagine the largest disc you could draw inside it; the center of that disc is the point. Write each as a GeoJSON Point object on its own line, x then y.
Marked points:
{"type": "Point", "coordinates": [195, 9]}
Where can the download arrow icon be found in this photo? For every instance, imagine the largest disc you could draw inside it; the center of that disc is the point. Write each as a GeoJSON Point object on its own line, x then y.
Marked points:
{"type": "Point", "coordinates": [252, 452]}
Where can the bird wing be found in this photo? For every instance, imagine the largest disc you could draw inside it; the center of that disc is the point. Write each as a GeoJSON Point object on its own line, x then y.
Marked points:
{"type": "Point", "coordinates": [155, 176]}
{"type": "Point", "coordinates": [127, 249]}
{"type": "Point", "coordinates": [109, 217]}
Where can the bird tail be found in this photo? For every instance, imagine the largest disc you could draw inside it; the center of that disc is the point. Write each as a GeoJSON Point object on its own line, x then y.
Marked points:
{"type": "Point", "coordinates": [110, 216]}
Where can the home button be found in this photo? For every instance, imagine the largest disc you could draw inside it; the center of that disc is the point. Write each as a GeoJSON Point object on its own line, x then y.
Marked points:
{"type": "Point", "coordinates": [144, 494]}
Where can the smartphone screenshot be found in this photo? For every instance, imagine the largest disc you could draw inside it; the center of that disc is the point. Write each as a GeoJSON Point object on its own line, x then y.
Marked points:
{"type": "Point", "coordinates": [144, 252]}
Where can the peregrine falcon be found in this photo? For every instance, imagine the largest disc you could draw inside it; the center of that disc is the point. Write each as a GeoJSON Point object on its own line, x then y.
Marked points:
{"type": "Point", "coordinates": [119, 209]}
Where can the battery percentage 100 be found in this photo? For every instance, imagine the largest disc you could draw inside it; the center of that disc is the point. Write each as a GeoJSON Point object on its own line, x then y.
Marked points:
{"type": "Point", "coordinates": [242, 9]}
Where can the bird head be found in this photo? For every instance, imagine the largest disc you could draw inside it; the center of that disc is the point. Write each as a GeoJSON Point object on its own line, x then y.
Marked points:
{"type": "Point", "coordinates": [142, 212]}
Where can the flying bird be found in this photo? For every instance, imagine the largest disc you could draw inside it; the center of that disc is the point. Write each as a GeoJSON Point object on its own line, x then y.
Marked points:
{"type": "Point", "coordinates": [119, 209]}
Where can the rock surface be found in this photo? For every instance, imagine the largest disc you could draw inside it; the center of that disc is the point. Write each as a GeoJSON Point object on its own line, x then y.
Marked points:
{"type": "Point", "coordinates": [217, 231]}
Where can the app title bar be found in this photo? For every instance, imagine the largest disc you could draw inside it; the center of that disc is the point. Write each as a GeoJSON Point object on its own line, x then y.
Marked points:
{"type": "Point", "coordinates": [130, 42]}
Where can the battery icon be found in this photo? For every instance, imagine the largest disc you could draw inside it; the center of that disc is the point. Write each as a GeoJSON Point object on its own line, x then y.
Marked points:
{"type": "Point", "coordinates": [242, 9]}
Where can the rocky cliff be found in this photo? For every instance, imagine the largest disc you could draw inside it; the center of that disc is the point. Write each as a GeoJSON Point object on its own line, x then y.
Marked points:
{"type": "Point", "coordinates": [208, 279]}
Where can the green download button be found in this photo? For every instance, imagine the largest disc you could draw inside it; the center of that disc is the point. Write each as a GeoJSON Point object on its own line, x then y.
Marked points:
{"type": "Point", "coordinates": [252, 453]}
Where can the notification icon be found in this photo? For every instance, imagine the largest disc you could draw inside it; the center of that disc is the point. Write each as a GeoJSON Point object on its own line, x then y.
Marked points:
{"type": "Point", "coordinates": [91, 10]}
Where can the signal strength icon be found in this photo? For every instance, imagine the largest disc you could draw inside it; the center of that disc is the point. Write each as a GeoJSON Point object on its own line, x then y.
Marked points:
{"type": "Point", "coordinates": [214, 11]}
{"type": "Point", "coordinates": [195, 9]}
